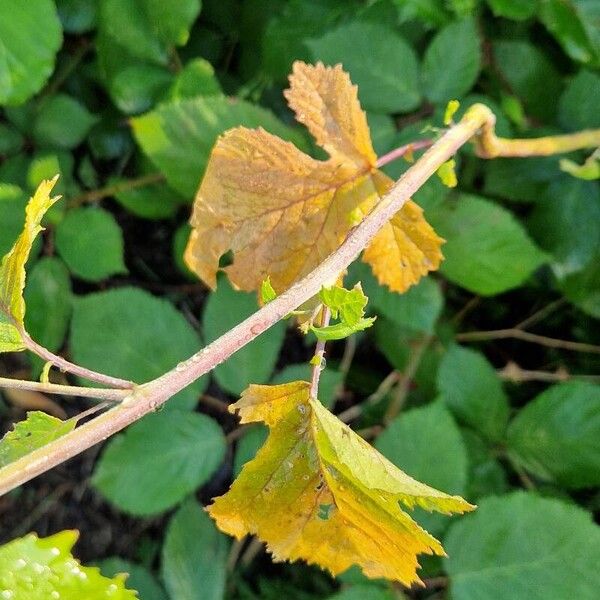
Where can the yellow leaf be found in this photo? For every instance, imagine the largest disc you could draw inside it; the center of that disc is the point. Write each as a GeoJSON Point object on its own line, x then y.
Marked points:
{"type": "Point", "coordinates": [319, 492]}
{"type": "Point", "coordinates": [451, 109]}
{"type": "Point", "coordinates": [447, 173]}
{"type": "Point", "coordinates": [12, 269]}
{"type": "Point", "coordinates": [278, 210]}
{"type": "Point", "coordinates": [405, 248]}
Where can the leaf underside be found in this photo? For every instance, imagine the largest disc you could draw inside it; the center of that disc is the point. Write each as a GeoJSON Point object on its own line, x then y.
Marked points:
{"type": "Point", "coordinates": [282, 212]}
{"type": "Point", "coordinates": [317, 491]}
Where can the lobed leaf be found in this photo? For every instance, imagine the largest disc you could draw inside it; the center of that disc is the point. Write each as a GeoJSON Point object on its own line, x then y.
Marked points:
{"type": "Point", "coordinates": [12, 269]}
{"type": "Point", "coordinates": [281, 212]}
{"type": "Point", "coordinates": [318, 491]}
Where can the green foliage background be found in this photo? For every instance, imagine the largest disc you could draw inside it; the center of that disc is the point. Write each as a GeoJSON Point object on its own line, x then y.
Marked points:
{"type": "Point", "coordinates": [125, 99]}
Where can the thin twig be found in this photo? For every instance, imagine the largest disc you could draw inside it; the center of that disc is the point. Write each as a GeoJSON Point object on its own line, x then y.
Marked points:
{"type": "Point", "coordinates": [319, 357]}
{"type": "Point", "coordinates": [526, 336]}
{"type": "Point", "coordinates": [537, 316]}
{"type": "Point", "coordinates": [65, 365]}
{"type": "Point", "coordinates": [114, 395]}
{"type": "Point", "coordinates": [116, 188]}
{"type": "Point", "coordinates": [403, 151]}
{"type": "Point", "coordinates": [403, 386]}
{"type": "Point", "coordinates": [514, 373]}
{"type": "Point", "coordinates": [215, 403]}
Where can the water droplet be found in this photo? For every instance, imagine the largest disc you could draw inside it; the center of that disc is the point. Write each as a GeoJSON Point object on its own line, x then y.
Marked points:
{"type": "Point", "coordinates": [323, 364]}
{"type": "Point", "coordinates": [180, 367]}
{"type": "Point", "coordinates": [256, 329]}
{"type": "Point", "coordinates": [55, 551]}
{"type": "Point", "coordinates": [301, 409]}
{"type": "Point", "coordinates": [7, 594]}
{"type": "Point", "coordinates": [20, 563]}
{"type": "Point", "coordinates": [306, 477]}
{"type": "Point", "coordinates": [55, 595]}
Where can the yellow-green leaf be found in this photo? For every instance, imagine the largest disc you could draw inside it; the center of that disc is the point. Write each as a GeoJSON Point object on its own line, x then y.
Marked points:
{"type": "Point", "coordinates": [447, 173]}
{"type": "Point", "coordinates": [12, 269]}
{"type": "Point", "coordinates": [317, 491]}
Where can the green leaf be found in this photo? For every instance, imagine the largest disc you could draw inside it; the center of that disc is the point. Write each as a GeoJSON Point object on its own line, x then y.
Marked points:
{"type": "Point", "coordinates": [367, 50]}
{"type": "Point", "coordinates": [131, 334]}
{"type": "Point", "coordinates": [138, 577]}
{"type": "Point", "coordinates": [339, 331]}
{"type": "Point", "coordinates": [178, 137]}
{"type": "Point", "coordinates": [194, 556]}
{"type": "Point", "coordinates": [557, 435]}
{"type": "Point", "coordinates": [33, 568]}
{"type": "Point", "coordinates": [159, 461]}
{"type": "Point", "coordinates": [470, 387]}
{"type": "Point", "coordinates": [415, 441]}
{"type": "Point", "coordinates": [452, 62]}
{"type": "Point", "coordinates": [347, 305]}
{"type": "Point", "coordinates": [12, 269]}
{"type": "Point", "coordinates": [487, 250]}
{"type": "Point", "coordinates": [531, 75]}
{"type": "Point", "coordinates": [253, 363]}
{"type": "Point", "coordinates": [48, 296]}
{"type": "Point", "coordinates": [151, 26]}
{"type": "Point", "coordinates": [383, 130]}
{"type": "Point", "coordinates": [329, 381]}
{"type": "Point", "coordinates": [197, 78]}
{"type": "Point", "coordinates": [518, 10]}
{"type": "Point", "coordinates": [253, 439]}
{"type": "Point", "coordinates": [565, 223]}
{"type": "Point", "coordinates": [156, 201]}
{"type": "Point", "coordinates": [578, 106]}
{"type": "Point", "coordinates": [432, 12]}
{"type": "Point", "coordinates": [12, 208]}
{"type": "Point", "coordinates": [487, 477]}
{"type": "Point", "coordinates": [11, 141]}
{"type": "Point", "coordinates": [574, 23]}
{"type": "Point", "coordinates": [77, 16]}
{"type": "Point", "coordinates": [416, 309]}
{"type": "Point", "coordinates": [267, 293]}
{"type": "Point", "coordinates": [62, 121]}
{"type": "Point", "coordinates": [583, 288]}
{"type": "Point", "coordinates": [447, 173]}
{"type": "Point", "coordinates": [521, 546]}
{"type": "Point", "coordinates": [37, 430]}
{"type": "Point", "coordinates": [287, 33]}
{"type": "Point", "coordinates": [30, 36]}
{"type": "Point", "coordinates": [90, 242]}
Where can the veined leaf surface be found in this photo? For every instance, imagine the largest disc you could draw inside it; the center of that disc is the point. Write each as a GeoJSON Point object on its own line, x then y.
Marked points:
{"type": "Point", "coordinates": [317, 491]}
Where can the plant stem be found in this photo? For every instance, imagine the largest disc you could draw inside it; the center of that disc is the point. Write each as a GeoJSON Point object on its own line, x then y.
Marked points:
{"type": "Point", "coordinates": [526, 336]}
{"type": "Point", "coordinates": [402, 151]}
{"type": "Point", "coordinates": [65, 365]}
{"type": "Point", "coordinates": [515, 374]}
{"type": "Point", "coordinates": [149, 397]}
{"type": "Point", "coordinates": [115, 395]}
{"type": "Point", "coordinates": [319, 356]}
{"type": "Point", "coordinates": [121, 186]}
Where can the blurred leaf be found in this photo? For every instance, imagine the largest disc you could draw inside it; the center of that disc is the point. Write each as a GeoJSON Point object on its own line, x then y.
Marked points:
{"type": "Point", "coordinates": [253, 363]}
{"type": "Point", "coordinates": [565, 223]}
{"type": "Point", "coordinates": [33, 568]}
{"type": "Point", "coordinates": [90, 242]}
{"type": "Point", "coordinates": [530, 75]}
{"type": "Point", "coordinates": [48, 297]}
{"type": "Point", "coordinates": [287, 34]}
{"type": "Point", "coordinates": [156, 201]}
{"type": "Point", "coordinates": [159, 461]}
{"type": "Point", "coordinates": [588, 171]}
{"type": "Point", "coordinates": [364, 592]}
{"type": "Point", "coordinates": [470, 387]}
{"type": "Point", "coordinates": [427, 444]}
{"type": "Point", "coordinates": [194, 556]}
{"type": "Point", "coordinates": [325, 495]}
{"type": "Point", "coordinates": [383, 130]}
{"type": "Point", "coordinates": [452, 62]}
{"type": "Point", "coordinates": [62, 121]}
{"type": "Point", "coordinates": [77, 16]}
{"type": "Point", "coordinates": [518, 10]}
{"type": "Point", "coordinates": [432, 12]}
{"type": "Point", "coordinates": [583, 288]}
{"type": "Point", "coordinates": [197, 78]}
{"type": "Point", "coordinates": [487, 250]}
{"type": "Point", "coordinates": [557, 435]}
{"type": "Point", "coordinates": [30, 36]}
{"type": "Point", "coordinates": [179, 136]}
{"type": "Point", "coordinates": [574, 23]}
{"type": "Point", "coordinates": [520, 547]}
{"type": "Point", "coordinates": [146, 336]}
{"type": "Point", "coordinates": [11, 141]}
{"type": "Point", "coordinates": [254, 437]}
{"type": "Point", "coordinates": [12, 208]}
{"type": "Point", "coordinates": [37, 430]}
{"type": "Point", "coordinates": [578, 106]}
{"type": "Point", "coordinates": [138, 577]}
{"type": "Point", "coordinates": [366, 51]}
{"type": "Point", "coordinates": [487, 476]}
{"type": "Point", "coordinates": [12, 269]}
